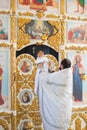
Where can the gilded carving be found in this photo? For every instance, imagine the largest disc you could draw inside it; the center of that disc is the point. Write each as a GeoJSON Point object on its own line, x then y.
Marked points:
{"type": "Point", "coordinates": [5, 45]}
{"type": "Point", "coordinates": [6, 120]}
{"type": "Point", "coordinates": [26, 108]}
{"type": "Point", "coordinates": [4, 124]}
{"type": "Point", "coordinates": [40, 14]}
{"type": "Point", "coordinates": [13, 29]}
{"type": "Point", "coordinates": [79, 115]}
{"type": "Point", "coordinates": [38, 128]}
{"type": "Point", "coordinates": [76, 18]}
{"type": "Point", "coordinates": [21, 118]}
{"type": "Point", "coordinates": [31, 74]}
{"type": "Point", "coordinates": [13, 5]}
{"type": "Point", "coordinates": [24, 84]}
{"type": "Point", "coordinates": [54, 40]}
{"type": "Point", "coordinates": [4, 12]}
{"type": "Point", "coordinates": [33, 117]}
{"type": "Point", "coordinates": [62, 7]}
{"type": "Point", "coordinates": [52, 16]}
{"type": "Point", "coordinates": [72, 18]}
{"type": "Point", "coordinates": [76, 48]}
{"type": "Point", "coordinates": [53, 59]}
{"type": "Point", "coordinates": [80, 109]}
{"type": "Point", "coordinates": [77, 124]}
{"type": "Point", "coordinates": [63, 54]}
{"type": "Point", "coordinates": [23, 39]}
{"type": "Point", "coordinates": [13, 84]}
{"type": "Point", "coordinates": [13, 122]}
{"type": "Point", "coordinates": [26, 14]}
{"type": "Point", "coordinates": [36, 118]}
{"type": "Point", "coordinates": [62, 32]}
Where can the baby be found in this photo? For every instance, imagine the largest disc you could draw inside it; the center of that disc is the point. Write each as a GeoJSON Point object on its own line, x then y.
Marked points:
{"type": "Point", "coordinates": [42, 66]}
{"type": "Point", "coordinates": [42, 62]}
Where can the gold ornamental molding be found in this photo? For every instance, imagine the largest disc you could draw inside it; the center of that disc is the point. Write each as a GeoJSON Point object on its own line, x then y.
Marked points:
{"type": "Point", "coordinates": [62, 7]}
{"type": "Point", "coordinates": [6, 114]}
{"type": "Point", "coordinates": [33, 117]}
{"type": "Point", "coordinates": [84, 116]}
{"type": "Point", "coordinates": [62, 32]}
{"type": "Point", "coordinates": [52, 16]}
{"type": "Point", "coordinates": [79, 115]}
{"type": "Point", "coordinates": [27, 108]}
{"type": "Point", "coordinates": [80, 109]}
{"type": "Point", "coordinates": [78, 118]}
{"type": "Point", "coordinates": [27, 77]}
{"type": "Point", "coordinates": [6, 120]}
{"type": "Point", "coordinates": [40, 14]}
{"type": "Point", "coordinates": [55, 39]}
{"type": "Point", "coordinates": [23, 39]}
{"type": "Point", "coordinates": [24, 85]}
{"type": "Point", "coordinates": [4, 12]}
{"type": "Point", "coordinates": [13, 70]}
{"type": "Point", "coordinates": [26, 14]}
{"type": "Point", "coordinates": [13, 5]}
{"type": "Point", "coordinates": [5, 45]}
{"type": "Point", "coordinates": [76, 18]}
{"type": "Point", "coordinates": [13, 29]}
{"type": "Point", "coordinates": [76, 48]}
{"type": "Point", "coordinates": [62, 54]}
{"type": "Point", "coordinates": [4, 124]}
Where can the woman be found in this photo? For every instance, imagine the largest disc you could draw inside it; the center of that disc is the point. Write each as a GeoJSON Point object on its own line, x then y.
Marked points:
{"type": "Point", "coordinates": [78, 71]}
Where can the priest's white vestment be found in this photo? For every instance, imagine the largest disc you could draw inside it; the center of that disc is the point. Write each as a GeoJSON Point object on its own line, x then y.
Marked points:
{"type": "Point", "coordinates": [55, 99]}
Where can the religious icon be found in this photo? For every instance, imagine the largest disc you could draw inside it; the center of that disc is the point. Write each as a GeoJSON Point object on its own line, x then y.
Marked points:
{"type": "Point", "coordinates": [4, 79]}
{"type": "Point", "coordinates": [50, 6]}
{"type": "Point", "coordinates": [4, 29]}
{"type": "Point", "coordinates": [79, 70]}
{"type": "Point", "coordinates": [25, 96]}
{"type": "Point", "coordinates": [24, 2]}
{"type": "Point", "coordinates": [36, 29]}
{"type": "Point", "coordinates": [25, 66]}
{"type": "Point", "coordinates": [2, 32]}
{"type": "Point", "coordinates": [77, 32]}
{"type": "Point", "coordinates": [77, 7]}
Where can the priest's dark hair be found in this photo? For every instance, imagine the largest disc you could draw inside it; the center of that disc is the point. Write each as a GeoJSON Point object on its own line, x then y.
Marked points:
{"type": "Point", "coordinates": [66, 63]}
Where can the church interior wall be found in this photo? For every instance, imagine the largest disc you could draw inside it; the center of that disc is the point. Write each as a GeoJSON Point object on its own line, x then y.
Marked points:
{"type": "Point", "coordinates": [25, 28]}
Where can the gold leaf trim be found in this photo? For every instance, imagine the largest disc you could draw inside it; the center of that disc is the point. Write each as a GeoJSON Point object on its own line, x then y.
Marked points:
{"type": "Point", "coordinates": [26, 14]}
{"type": "Point", "coordinates": [40, 14]}
{"type": "Point", "coordinates": [5, 45]}
{"type": "Point", "coordinates": [23, 39]}
{"type": "Point", "coordinates": [54, 40]}
{"type": "Point", "coordinates": [76, 48]}
{"type": "Point", "coordinates": [4, 12]}
{"type": "Point", "coordinates": [52, 16]}
{"type": "Point", "coordinates": [62, 7]}
{"type": "Point", "coordinates": [62, 32]}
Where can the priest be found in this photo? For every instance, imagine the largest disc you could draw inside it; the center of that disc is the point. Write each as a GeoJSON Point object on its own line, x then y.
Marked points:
{"type": "Point", "coordinates": [55, 97]}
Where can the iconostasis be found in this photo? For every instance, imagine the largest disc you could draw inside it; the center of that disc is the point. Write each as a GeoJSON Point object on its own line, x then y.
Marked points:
{"type": "Point", "coordinates": [57, 27]}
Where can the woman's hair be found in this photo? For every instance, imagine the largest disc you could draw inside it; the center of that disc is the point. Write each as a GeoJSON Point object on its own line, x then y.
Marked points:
{"type": "Point", "coordinates": [66, 63]}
